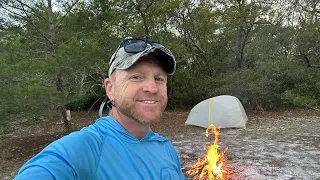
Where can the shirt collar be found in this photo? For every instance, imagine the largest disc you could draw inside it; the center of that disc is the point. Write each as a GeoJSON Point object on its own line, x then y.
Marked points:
{"type": "Point", "coordinates": [108, 121]}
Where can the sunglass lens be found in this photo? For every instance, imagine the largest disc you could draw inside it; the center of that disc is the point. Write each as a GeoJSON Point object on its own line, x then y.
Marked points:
{"type": "Point", "coordinates": [134, 45]}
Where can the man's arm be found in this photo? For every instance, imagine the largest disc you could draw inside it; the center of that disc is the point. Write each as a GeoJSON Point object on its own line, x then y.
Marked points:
{"type": "Point", "coordinates": [45, 171]}
{"type": "Point", "coordinates": [71, 157]}
{"type": "Point", "coordinates": [34, 173]}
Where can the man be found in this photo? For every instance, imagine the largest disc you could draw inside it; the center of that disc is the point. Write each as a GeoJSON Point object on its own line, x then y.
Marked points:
{"type": "Point", "coordinates": [121, 145]}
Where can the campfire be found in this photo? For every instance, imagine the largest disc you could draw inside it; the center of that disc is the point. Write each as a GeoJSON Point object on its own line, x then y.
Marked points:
{"type": "Point", "coordinates": [211, 166]}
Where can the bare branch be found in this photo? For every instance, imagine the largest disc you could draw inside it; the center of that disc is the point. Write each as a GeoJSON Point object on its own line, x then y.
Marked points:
{"type": "Point", "coordinates": [12, 11]}
{"type": "Point", "coordinates": [93, 79]}
{"type": "Point", "coordinates": [32, 9]}
{"type": "Point", "coordinates": [199, 48]}
{"type": "Point", "coordinates": [24, 4]}
{"type": "Point", "coordinates": [149, 5]}
{"type": "Point", "coordinates": [138, 7]}
{"type": "Point", "coordinates": [70, 8]}
{"type": "Point", "coordinates": [38, 41]}
{"type": "Point", "coordinates": [95, 103]}
{"type": "Point", "coordinates": [15, 7]}
{"type": "Point", "coordinates": [36, 28]}
{"type": "Point", "coordinates": [40, 52]}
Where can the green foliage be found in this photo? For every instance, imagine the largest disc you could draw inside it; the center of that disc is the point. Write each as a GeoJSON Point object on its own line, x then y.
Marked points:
{"type": "Point", "coordinates": [300, 100]}
{"type": "Point", "coordinates": [255, 89]}
{"type": "Point", "coordinates": [187, 90]}
{"type": "Point", "coordinates": [277, 66]}
{"type": "Point", "coordinates": [308, 44]}
{"type": "Point", "coordinates": [265, 86]}
{"type": "Point", "coordinates": [28, 101]}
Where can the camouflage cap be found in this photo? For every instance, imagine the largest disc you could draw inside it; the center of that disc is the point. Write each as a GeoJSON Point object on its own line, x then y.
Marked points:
{"type": "Point", "coordinates": [123, 60]}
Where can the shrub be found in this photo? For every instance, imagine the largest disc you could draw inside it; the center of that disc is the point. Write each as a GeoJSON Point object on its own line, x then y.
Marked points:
{"type": "Point", "coordinates": [300, 100]}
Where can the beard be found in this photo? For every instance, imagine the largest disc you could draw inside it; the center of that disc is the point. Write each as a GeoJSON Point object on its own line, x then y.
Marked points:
{"type": "Point", "coordinates": [139, 116]}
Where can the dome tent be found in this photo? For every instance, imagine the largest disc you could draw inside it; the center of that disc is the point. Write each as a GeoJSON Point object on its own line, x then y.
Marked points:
{"type": "Point", "coordinates": [223, 111]}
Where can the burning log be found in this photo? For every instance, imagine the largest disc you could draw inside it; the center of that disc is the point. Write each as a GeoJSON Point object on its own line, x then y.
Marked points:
{"type": "Point", "coordinates": [211, 166]}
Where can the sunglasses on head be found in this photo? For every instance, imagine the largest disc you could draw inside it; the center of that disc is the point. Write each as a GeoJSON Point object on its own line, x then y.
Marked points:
{"type": "Point", "coordinates": [135, 46]}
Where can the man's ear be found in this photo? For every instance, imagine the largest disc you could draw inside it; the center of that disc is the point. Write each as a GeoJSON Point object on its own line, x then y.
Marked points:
{"type": "Point", "coordinates": [108, 85]}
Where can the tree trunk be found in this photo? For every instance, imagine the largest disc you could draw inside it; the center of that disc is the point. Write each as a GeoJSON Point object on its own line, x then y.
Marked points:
{"type": "Point", "coordinates": [242, 36]}
{"type": "Point", "coordinates": [66, 121]}
{"type": "Point", "coordinates": [306, 58]}
{"type": "Point", "coordinates": [242, 41]}
{"type": "Point", "coordinates": [142, 9]}
{"type": "Point", "coordinates": [240, 52]}
{"type": "Point", "coordinates": [146, 27]}
{"type": "Point", "coordinates": [51, 28]}
{"type": "Point", "coordinates": [59, 79]}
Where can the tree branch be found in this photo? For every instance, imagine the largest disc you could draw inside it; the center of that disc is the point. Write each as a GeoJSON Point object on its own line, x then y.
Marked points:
{"type": "Point", "coordinates": [95, 103]}
{"type": "Point", "coordinates": [199, 48]}
{"type": "Point", "coordinates": [70, 8]}
{"type": "Point", "coordinates": [39, 41]}
{"type": "Point", "coordinates": [13, 7]}
{"type": "Point", "coordinates": [149, 5]}
{"type": "Point", "coordinates": [26, 5]}
{"type": "Point", "coordinates": [11, 11]}
{"type": "Point", "coordinates": [29, 19]}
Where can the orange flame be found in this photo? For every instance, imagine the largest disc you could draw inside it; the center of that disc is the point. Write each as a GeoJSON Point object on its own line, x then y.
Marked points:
{"type": "Point", "coordinates": [211, 165]}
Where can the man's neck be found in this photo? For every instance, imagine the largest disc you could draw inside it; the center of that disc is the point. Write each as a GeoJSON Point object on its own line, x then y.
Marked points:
{"type": "Point", "coordinates": [135, 128]}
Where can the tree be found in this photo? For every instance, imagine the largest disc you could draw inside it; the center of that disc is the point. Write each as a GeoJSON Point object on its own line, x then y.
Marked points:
{"type": "Point", "coordinates": [39, 35]}
{"type": "Point", "coordinates": [243, 19]}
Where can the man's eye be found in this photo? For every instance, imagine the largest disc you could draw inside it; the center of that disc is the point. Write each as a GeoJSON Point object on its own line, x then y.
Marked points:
{"type": "Point", "coordinates": [159, 79]}
{"type": "Point", "coordinates": [136, 77]}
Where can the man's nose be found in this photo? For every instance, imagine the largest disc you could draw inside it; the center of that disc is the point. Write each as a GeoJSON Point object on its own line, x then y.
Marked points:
{"type": "Point", "coordinates": [151, 86]}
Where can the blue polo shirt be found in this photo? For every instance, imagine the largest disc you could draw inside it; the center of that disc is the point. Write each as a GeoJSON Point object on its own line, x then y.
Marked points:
{"type": "Point", "coordinates": [105, 150]}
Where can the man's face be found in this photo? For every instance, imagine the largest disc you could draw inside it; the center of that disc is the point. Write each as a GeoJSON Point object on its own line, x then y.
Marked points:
{"type": "Point", "coordinates": [140, 92]}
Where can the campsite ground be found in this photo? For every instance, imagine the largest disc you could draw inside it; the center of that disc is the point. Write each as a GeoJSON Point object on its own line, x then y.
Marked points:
{"type": "Point", "coordinates": [281, 144]}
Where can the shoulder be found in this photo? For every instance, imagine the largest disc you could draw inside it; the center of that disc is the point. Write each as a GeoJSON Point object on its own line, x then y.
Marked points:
{"type": "Point", "coordinates": [90, 135]}
{"type": "Point", "coordinates": [77, 154]}
{"type": "Point", "coordinates": [89, 138]}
